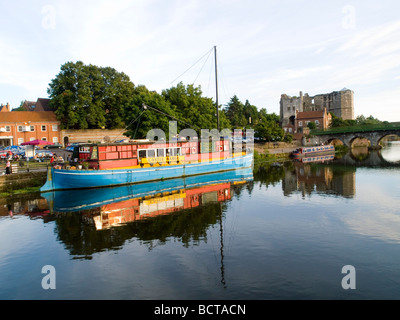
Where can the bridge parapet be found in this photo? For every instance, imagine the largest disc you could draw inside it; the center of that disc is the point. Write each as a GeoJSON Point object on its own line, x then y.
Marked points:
{"type": "Point", "coordinates": [348, 134]}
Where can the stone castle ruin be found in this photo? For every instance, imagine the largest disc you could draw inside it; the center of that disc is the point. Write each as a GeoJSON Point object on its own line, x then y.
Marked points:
{"type": "Point", "coordinates": [340, 103]}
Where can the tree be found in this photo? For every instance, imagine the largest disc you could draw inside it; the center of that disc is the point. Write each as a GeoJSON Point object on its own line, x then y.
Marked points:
{"type": "Point", "coordinates": [235, 113]}
{"type": "Point", "coordinates": [311, 125]}
{"type": "Point", "coordinates": [194, 110]}
{"type": "Point", "coordinates": [250, 113]}
{"type": "Point", "coordinates": [140, 121]}
{"type": "Point", "coordinates": [89, 97]}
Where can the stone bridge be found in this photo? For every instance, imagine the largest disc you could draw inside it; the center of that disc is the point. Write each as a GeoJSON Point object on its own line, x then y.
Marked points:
{"type": "Point", "coordinates": [348, 135]}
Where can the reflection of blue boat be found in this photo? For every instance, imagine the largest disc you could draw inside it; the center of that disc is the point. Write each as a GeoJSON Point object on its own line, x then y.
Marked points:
{"type": "Point", "coordinates": [77, 200]}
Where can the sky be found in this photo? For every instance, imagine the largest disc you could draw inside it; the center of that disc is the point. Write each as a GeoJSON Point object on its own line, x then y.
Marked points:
{"type": "Point", "coordinates": [265, 48]}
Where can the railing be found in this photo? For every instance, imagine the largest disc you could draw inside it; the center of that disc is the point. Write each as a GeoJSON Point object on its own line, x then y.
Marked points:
{"type": "Point", "coordinates": [22, 166]}
{"type": "Point", "coordinates": [354, 129]}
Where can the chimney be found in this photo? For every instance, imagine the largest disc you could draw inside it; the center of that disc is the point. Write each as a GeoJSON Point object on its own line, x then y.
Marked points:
{"type": "Point", "coordinates": [5, 108]}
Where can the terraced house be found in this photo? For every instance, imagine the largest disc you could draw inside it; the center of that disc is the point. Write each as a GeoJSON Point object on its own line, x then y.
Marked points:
{"type": "Point", "coordinates": [17, 127]}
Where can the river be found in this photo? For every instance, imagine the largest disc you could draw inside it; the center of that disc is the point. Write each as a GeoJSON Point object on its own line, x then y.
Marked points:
{"type": "Point", "coordinates": [318, 230]}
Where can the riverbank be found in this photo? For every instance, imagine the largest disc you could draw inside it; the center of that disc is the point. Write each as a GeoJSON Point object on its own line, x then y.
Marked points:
{"type": "Point", "coordinates": [19, 183]}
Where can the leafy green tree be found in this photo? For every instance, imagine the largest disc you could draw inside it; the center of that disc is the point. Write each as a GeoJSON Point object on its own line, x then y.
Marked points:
{"type": "Point", "coordinates": [194, 110]}
{"type": "Point", "coordinates": [311, 125]}
{"type": "Point", "coordinates": [89, 97]}
{"type": "Point", "coordinates": [250, 113]}
{"type": "Point", "coordinates": [156, 114]}
{"type": "Point", "coordinates": [235, 113]}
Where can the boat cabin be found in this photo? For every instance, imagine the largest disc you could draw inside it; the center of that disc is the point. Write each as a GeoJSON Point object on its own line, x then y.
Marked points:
{"type": "Point", "coordinates": [148, 153]}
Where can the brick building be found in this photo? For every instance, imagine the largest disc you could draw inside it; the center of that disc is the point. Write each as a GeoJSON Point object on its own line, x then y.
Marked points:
{"type": "Point", "coordinates": [17, 127]}
{"type": "Point", "coordinates": [36, 121]}
{"type": "Point", "coordinates": [322, 119]}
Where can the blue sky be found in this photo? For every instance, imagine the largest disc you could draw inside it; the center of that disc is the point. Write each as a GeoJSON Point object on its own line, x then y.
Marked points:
{"type": "Point", "coordinates": [265, 48]}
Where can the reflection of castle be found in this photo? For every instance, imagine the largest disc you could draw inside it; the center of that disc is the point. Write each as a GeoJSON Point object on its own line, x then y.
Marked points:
{"type": "Point", "coordinates": [309, 178]}
{"type": "Point", "coordinates": [136, 209]}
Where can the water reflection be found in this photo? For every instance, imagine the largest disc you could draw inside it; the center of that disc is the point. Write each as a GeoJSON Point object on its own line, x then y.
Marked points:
{"type": "Point", "coordinates": [391, 152]}
{"type": "Point", "coordinates": [151, 212]}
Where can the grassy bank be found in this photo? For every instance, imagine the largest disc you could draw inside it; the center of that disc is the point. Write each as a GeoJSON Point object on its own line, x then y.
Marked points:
{"type": "Point", "coordinates": [266, 156]}
{"type": "Point", "coordinates": [21, 183]}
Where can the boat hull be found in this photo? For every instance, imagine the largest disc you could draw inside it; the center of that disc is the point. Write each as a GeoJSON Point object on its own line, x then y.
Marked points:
{"type": "Point", "coordinates": [61, 179]}
{"type": "Point", "coordinates": [78, 200]}
{"type": "Point", "coordinates": [314, 151]}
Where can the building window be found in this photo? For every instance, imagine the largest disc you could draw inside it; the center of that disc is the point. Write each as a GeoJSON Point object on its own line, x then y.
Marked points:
{"type": "Point", "coordinates": [290, 130]}
{"type": "Point", "coordinates": [317, 122]}
{"type": "Point", "coordinates": [20, 128]}
{"type": "Point", "coordinates": [55, 127]}
{"type": "Point", "coordinates": [44, 139]}
{"type": "Point", "coordinates": [8, 129]}
{"type": "Point", "coordinates": [20, 140]}
{"type": "Point", "coordinates": [32, 128]}
{"type": "Point", "coordinates": [44, 128]}
{"type": "Point", "coordinates": [55, 139]}
{"type": "Point", "coordinates": [300, 123]}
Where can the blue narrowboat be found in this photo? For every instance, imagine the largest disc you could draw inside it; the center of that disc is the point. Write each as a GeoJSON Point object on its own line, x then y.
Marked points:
{"type": "Point", "coordinates": [114, 164]}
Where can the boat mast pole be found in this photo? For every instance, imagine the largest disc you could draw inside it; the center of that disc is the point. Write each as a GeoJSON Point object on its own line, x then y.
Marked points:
{"type": "Point", "coordinates": [216, 85]}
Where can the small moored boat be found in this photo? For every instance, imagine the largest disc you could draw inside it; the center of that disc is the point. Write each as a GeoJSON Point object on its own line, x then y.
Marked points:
{"type": "Point", "coordinates": [312, 151]}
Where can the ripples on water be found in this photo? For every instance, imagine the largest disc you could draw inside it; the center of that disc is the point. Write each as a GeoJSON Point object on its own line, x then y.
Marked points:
{"type": "Point", "coordinates": [283, 231]}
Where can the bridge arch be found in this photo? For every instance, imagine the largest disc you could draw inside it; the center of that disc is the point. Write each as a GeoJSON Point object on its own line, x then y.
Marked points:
{"type": "Point", "coordinates": [334, 141]}
{"type": "Point", "coordinates": [359, 137]}
{"type": "Point", "coordinates": [387, 135]}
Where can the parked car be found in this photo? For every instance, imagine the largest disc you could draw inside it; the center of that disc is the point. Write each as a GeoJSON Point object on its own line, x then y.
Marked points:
{"type": "Point", "coordinates": [54, 145]}
{"type": "Point", "coordinates": [71, 146]}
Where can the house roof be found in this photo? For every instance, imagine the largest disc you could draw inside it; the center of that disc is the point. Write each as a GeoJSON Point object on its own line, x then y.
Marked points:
{"type": "Point", "coordinates": [25, 116]}
{"type": "Point", "coordinates": [310, 115]}
{"type": "Point", "coordinates": [42, 104]}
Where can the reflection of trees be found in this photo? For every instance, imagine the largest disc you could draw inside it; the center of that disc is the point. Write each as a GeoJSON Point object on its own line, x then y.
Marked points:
{"type": "Point", "coordinates": [271, 173]}
{"type": "Point", "coordinates": [186, 226]}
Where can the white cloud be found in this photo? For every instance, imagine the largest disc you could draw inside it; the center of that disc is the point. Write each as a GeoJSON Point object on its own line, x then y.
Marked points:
{"type": "Point", "coordinates": [374, 41]}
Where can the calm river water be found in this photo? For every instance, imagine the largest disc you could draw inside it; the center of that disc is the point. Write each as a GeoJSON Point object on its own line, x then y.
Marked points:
{"type": "Point", "coordinates": [282, 231]}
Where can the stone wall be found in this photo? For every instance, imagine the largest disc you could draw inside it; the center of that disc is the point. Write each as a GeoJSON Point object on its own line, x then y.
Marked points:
{"type": "Point", "coordinates": [288, 108]}
{"type": "Point", "coordinates": [340, 103]}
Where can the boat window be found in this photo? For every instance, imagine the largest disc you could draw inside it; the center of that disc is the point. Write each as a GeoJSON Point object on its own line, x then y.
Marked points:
{"type": "Point", "coordinates": [142, 154]}
{"type": "Point", "coordinates": [151, 153]}
{"type": "Point", "coordinates": [174, 151]}
{"type": "Point", "coordinates": [160, 152]}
